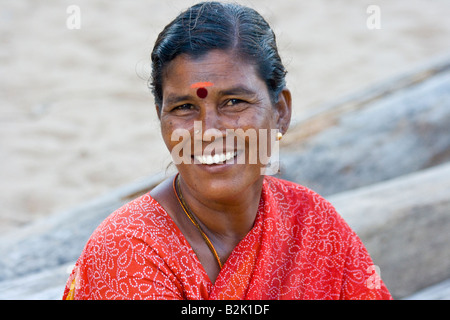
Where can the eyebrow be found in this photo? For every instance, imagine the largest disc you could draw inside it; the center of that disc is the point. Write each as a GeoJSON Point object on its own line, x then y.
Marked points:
{"type": "Point", "coordinates": [238, 90]}
{"type": "Point", "coordinates": [175, 99]}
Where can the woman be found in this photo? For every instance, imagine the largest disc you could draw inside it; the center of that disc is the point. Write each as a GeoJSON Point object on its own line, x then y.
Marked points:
{"type": "Point", "coordinates": [220, 229]}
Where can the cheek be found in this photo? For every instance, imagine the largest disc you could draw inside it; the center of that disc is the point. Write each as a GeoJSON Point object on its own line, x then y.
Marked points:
{"type": "Point", "coordinates": [263, 129]}
{"type": "Point", "coordinates": [171, 135]}
{"type": "Point", "coordinates": [166, 131]}
{"type": "Point", "coordinates": [178, 140]}
{"type": "Point", "coordinates": [256, 121]}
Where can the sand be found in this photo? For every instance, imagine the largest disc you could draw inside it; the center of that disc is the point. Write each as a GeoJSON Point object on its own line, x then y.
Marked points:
{"type": "Point", "coordinates": [77, 118]}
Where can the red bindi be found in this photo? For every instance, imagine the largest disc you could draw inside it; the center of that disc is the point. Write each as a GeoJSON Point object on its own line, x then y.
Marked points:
{"type": "Point", "coordinates": [202, 93]}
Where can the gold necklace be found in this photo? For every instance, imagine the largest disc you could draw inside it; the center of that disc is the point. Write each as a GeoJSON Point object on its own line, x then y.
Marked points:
{"type": "Point", "coordinates": [191, 216]}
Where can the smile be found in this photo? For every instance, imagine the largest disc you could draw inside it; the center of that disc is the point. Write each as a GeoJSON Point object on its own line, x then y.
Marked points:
{"type": "Point", "coordinates": [216, 159]}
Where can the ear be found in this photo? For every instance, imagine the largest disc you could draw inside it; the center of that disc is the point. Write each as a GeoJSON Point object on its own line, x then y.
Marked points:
{"type": "Point", "coordinates": [284, 108]}
{"type": "Point", "coordinates": [158, 111]}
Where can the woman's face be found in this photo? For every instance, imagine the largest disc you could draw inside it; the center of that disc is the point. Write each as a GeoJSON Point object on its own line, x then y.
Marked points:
{"type": "Point", "coordinates": [212, 113]}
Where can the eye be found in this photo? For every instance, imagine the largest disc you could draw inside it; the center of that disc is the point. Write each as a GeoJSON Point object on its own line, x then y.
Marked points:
{"type": "Point", "coordinates": [233, 102]}
{"type": "Point", "coordinates": [184, 107]}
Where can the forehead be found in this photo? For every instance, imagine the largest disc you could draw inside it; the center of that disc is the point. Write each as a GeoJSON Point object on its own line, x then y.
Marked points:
{"type": "Point", "coordinates": [217, 67]}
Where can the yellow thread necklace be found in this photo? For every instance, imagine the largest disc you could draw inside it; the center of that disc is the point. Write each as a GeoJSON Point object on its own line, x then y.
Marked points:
{"type": "Point", "coordinates": [190, 215]}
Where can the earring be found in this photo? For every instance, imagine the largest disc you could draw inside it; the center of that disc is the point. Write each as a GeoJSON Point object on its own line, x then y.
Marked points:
{"type": "Point", "coordinates": [279, 136]}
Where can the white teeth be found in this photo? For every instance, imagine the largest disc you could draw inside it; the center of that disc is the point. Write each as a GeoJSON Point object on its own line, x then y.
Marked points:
{"type": "Point", "coordinates": [217, 158]}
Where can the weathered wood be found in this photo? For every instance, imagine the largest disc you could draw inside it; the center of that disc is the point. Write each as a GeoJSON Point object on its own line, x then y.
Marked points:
{"type": "Point", "coordinates": [395, 134]}
{"type": "Point", "coordinates": [329, 114]}
{"type": "Point", "coordinates": [392, 130]}
{"type": "Point", "coordinates": [60, 238]}
{"type": "Point", "coordinates": [404, 223]}
{"type": "Point", "coordinates": [46, 284]}
{"type": "Point", "coordinates": [439, 291]}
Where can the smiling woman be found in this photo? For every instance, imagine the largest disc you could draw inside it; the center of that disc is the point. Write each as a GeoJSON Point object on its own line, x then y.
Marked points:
{"type": "Point", "coordinates": [219, 229]}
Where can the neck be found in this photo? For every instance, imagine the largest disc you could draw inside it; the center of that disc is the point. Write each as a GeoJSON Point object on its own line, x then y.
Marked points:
{"type": "Point", "coordinates": [227, 219]}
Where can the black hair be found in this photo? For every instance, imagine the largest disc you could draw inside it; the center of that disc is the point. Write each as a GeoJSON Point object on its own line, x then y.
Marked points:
{"type": "Point", "coordinates": [226, 26]}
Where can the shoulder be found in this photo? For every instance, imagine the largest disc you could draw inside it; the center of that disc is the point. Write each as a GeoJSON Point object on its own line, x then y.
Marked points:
{"type": "Point", "coordinates": [128, 252]}
{"type": "Point", "coordinates": [291, 189]}
{"type": "Point", "coordinates": [298, 197]}
{"type": "Point", "coordinates": [325, 239]}
{"type": "Point", "coordinates": [304, 207]}
{"type": "Point", "coordinates": [136, 218]}
{"type": "Point", "coordinates": [140, 224]}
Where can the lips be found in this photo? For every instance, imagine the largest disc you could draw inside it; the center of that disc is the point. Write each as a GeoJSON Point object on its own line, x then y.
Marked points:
{"type": "Point", "coordinates": [218, 158]}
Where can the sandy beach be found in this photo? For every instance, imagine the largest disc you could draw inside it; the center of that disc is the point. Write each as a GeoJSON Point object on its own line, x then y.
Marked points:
{"type": "Point", "coordinates": [77, 118]}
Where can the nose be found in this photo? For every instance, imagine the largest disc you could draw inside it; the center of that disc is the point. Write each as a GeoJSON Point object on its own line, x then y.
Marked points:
{"type": "Point", "coordinates": [212, 123]}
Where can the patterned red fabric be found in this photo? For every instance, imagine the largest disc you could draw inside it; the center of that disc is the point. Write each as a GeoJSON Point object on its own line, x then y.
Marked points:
{"type": "Point", "coordinates": [299, 248]}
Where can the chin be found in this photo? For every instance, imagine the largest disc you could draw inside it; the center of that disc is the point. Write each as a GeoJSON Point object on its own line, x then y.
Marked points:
{"type": "Point", "coordinates": [221, 182]}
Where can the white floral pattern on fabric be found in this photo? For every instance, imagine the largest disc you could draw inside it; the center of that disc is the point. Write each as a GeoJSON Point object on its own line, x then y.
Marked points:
{"type": "Point", "coordinates": [298, 248]}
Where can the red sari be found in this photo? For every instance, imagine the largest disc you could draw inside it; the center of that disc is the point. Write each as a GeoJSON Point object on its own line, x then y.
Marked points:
{"type": "Point", "coordinates": [298, 248]}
